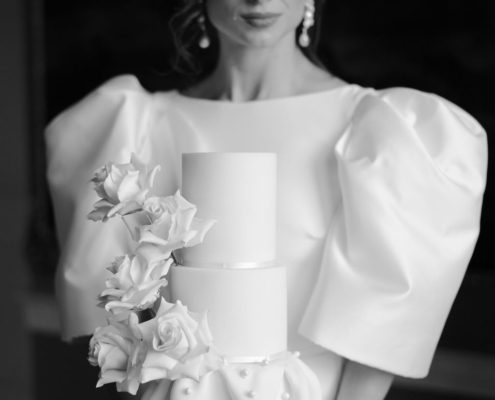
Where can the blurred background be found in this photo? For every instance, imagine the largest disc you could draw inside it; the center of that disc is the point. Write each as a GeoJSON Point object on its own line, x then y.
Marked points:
{"type": "Point", "coordinates": [54, 52]}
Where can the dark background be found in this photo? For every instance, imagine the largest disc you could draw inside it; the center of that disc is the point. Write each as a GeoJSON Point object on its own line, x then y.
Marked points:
{"type": "Point", "coordinates": [445, 47]}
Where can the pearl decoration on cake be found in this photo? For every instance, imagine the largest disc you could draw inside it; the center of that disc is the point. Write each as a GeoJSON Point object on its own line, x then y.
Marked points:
{"type": "Point", "coordinates": [187, 391]}
{"type": "Point", "coordinates": [244, 373]}
{"type": "Point", "coordinates": [285, 396]}
{"type": "Point", "coordinates": [266, 361]}
{"type": "Point", "coordinates": [297, 354]}
{"type": "Point", "coordinates": [252, 394]}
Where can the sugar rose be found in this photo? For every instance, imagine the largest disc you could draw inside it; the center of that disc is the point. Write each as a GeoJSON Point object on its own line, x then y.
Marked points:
{"type": "Point", "coordinates": [173, 224]}
{"type": "Point", "coordinates": [122, 188]}
{"type": "Point", "coordinates": [155, 207]}
{"type": "Point", "coordinates": [180, 341]}
{"type": "Point", "coordinates": [135, 283]}
{"type": "Point", "coordinates": [119, 353]}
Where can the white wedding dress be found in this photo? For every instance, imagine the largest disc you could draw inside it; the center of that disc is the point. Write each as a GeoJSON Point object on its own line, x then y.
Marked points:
{"type": "Point", "coordinates": [379, 202]}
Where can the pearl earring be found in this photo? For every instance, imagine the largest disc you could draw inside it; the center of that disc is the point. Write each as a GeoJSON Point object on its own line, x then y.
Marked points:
{"type": "Point", "coordinates": [308, 22]}
{"type": "Point", "coordinates": [204, 40]}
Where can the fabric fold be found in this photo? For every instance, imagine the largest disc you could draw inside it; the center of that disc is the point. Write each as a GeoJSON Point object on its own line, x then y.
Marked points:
{"type": "Point", "coordinates": [412, 173]}
{"type": "Point", "coordinates": [108, 125]}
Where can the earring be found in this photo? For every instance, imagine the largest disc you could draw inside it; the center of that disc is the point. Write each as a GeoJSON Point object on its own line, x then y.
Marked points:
{"type": "Point", "coordinates": [308, 22]}
{"type": "Point", "coordinates": [204, 40]}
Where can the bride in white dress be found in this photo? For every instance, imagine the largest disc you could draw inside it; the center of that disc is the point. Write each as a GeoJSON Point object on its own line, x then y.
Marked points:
{"type": "Point", "coordinates": [379, 191]}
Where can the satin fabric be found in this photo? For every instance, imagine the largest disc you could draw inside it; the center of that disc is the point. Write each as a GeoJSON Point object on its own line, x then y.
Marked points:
{"type": "Point", "coordinates": [379, 199]}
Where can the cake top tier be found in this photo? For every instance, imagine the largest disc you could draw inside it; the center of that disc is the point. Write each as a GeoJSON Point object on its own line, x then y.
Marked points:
{"type": "Point", "coordinates": [239, 191]}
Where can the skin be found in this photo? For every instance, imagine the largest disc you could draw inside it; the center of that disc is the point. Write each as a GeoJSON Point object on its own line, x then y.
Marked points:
{"type": "Point", "coordinates": [259, 62]}
{"type": "Point", "coordinates": [263, 62]}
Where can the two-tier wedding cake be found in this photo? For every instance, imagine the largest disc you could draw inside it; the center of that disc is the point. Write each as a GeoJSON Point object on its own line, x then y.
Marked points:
{"type": "Point", "coordinates": [234, 276]}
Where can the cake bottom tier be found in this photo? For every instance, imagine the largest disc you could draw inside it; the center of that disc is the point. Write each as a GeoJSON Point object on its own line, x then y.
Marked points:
{"type": "Point", "coordinates": [283, 378]}
{"type": "Point", "coordinates": [247, 308]}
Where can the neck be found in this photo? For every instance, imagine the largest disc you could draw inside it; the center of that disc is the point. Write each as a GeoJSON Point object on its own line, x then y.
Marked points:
{"type": "Point", "coordinates": [245, 73]}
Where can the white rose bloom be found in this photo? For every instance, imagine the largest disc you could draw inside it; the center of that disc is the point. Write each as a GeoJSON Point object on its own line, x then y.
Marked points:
{"type": "Point", "coordinates": [180, 344]}
{"type": "Point", "coordinates": [119, 350]}
{"type": "Point", "coordinates": [173, 224]}
{"type": "Point", "coordinates": [135, 284]}
{"type": "Point", "coordinates": [122, 188]}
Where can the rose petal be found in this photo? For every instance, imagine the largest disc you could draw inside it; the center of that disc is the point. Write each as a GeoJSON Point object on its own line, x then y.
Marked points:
{"type": "Point", "coordinates": [160, 269]}
{"type": "Point", "coordinates": [151, 253]}
{"type": "Point", "coordinates": [129, 386]}
{"type": "Point", "coordinates": [124, 208]}
{"type": "Point", "coordinates": [157, 365]}
{"type": "Point", "coordinates": [148, 237]}
{"type": "Point", "coordinates": [201, 228]}
{"type": "Point", "coordinates": [115, 306]}
{"type": "Point", "coordinates": [129, 187]}
{"type": "Point", "coordinates": [110, 377]}
{"type": "Point", "coordinates": [137, 270]}
{"type": "Point", "coordinates": [112, 292]}
{"type": "Point", "coordinates": [110, 185]}
{"type": "Point", "coordinates": [98, 214]}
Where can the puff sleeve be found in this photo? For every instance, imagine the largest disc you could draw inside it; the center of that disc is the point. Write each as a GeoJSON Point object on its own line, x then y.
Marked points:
{"type": "Point", "coordinates": [107, 125]}
{"type": "Point", "coordinates": [412, 170]}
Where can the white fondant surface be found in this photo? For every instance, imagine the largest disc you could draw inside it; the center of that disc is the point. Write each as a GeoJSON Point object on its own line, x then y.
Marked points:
{"type": "Point", "coordinates": [247, 308]}
{"type": "Point", "coordinates": [239, 191]}
{"type": "Point", "coordinates": [286, 377]}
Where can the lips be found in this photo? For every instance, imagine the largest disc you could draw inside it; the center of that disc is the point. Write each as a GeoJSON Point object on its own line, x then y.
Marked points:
{"type": "Point", "coordinates": [260, 19]}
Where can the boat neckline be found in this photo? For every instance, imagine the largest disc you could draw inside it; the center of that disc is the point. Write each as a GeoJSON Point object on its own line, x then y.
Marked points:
{"type": "Point", "coordinates": [275, 100]}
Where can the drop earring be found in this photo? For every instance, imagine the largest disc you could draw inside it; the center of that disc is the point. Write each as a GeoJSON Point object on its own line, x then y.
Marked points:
{"type": "Point", "coordinates": [204, 40]}
{"type": "Point", "coordinates": [308, 22]}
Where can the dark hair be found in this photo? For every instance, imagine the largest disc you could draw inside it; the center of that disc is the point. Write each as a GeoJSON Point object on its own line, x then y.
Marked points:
{"type": "Point", "coordinates": [194, 62]}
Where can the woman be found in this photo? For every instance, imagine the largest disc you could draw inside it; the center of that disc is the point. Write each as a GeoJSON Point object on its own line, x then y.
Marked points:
{"type": "Point", "coordinates": [379, 191]}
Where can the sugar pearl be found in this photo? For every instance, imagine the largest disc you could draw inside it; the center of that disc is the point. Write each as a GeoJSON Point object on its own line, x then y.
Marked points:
{"type": "Point", "coordinates": [285, 396]}
{"type": "Point", "coordinates": [244, 373]}
{"type": "Point", "coordinates": [187, 391]}
{"type": "Point", "coordinates": [252, 394]}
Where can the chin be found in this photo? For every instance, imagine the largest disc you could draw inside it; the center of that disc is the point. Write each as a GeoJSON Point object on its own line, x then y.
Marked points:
{"type": "Point", "coordinates": [262, 39]}
{"type": "Point", "coordinates": [260, 42]}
